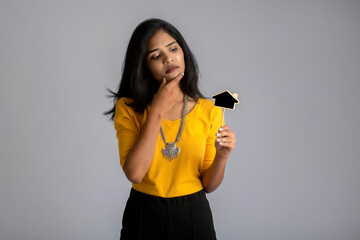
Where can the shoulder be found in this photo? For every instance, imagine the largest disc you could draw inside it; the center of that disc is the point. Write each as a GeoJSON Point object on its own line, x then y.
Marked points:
{"type": "Point", "coordinates": [123, 104]}
{"type": "Point", "coordinates": [123, 101]}
{"type": "Point", "coordinates": [207, 105]}
{"type": "Point", "coordinates": [122, 107]}
{"type": "Point", "coordinates": [207, 111]}
{"type": "Point", "coordinates": [205, 102]}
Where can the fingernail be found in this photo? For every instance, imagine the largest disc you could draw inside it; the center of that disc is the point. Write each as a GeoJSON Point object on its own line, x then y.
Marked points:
{"type": "Point", "coordinates": [218, 134]}
{"type": "Point", "coordinates": [220, 129]}
{"type": "Point", "coordinates": [218, 139]}
{"type": "Point", "coordinates": [183, 73]}
{"type": "Point", "coordinates": [220, 143]}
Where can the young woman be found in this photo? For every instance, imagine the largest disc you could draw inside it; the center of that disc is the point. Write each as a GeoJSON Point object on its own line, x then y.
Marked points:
{"type": "Point", "coordinates": [171, 145]}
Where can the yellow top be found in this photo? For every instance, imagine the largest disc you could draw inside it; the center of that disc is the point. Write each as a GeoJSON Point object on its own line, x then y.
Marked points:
{"type": "Point", "coordinates": [180, 176]}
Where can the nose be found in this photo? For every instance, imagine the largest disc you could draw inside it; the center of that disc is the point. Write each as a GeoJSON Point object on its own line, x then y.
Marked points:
{"type": "Point", "coordinates": [168, 58]}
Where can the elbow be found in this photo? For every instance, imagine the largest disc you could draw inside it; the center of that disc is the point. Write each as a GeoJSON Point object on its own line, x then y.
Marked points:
{"type": "Point", "coordinates": [207, 190]}
{"type": "Point", "coordinates": [134, 171]}
{"type": "Point", "coordinates": [133, 175]}
{"type": "Point", "coordinates": [208, 187]}
{"type": "Point", "coordinates": [134, 179]}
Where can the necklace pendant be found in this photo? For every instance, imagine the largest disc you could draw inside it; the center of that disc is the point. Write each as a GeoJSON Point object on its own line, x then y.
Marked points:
{"type": "Point", "coordinates": [170, 151]}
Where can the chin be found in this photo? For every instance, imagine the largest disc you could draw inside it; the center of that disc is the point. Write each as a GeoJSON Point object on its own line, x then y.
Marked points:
{"type": "Point", "coordinates": [173, 75]}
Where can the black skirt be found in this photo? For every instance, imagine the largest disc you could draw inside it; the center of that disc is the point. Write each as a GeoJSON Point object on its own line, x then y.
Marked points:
{"type": "Point", "coordinates": [151, 217]}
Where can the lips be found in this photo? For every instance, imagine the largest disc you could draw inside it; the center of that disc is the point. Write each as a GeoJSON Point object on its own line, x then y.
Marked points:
{"type": "Point", "coordinates": [171, 69]}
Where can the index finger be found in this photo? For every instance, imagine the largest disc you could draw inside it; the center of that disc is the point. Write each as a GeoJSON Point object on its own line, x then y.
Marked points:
{"type": "Point", "coordinates": [225, 127]}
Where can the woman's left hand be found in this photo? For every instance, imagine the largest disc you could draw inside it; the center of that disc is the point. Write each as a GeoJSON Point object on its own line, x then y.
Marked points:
{"type": "Point", "coordinates": [225, 141]}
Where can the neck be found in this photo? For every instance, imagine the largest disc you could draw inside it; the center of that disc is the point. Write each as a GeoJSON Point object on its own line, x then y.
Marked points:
{"type": "Point", "coordinates": [180, 98]}
{"type": "Point", "coordinates": [179, 94]}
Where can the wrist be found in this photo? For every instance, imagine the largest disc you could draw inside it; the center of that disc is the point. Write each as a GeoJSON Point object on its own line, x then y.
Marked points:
{"type": "Point", "coordinates": [221, 157]}
{"type": "Point", "coordinates": [156, 113]}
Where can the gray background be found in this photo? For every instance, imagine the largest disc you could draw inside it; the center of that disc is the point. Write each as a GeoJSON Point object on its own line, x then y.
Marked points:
{"type": "Point", "coordinates": [295, 65]}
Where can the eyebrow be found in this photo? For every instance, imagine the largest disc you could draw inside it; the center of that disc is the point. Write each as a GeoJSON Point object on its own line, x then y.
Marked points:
{"type": "Point", "coordinates": [158, 49]}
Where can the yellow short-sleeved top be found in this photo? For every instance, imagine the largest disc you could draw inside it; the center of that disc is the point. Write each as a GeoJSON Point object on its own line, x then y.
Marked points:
{"type": "Point", "coordinates": [180, 176]}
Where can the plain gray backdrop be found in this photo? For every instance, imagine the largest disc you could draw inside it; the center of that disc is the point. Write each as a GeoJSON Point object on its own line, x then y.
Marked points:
{"type": "Point", "coordinates": [294, 174]}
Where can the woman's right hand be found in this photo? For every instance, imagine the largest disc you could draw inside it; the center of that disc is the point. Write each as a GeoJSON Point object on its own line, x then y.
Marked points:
{"type": "Point", "coordinates": [166, 96]}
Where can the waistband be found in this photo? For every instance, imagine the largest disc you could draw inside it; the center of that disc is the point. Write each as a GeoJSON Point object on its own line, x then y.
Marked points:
{"type": "Point", "coordinates": [187, 199]}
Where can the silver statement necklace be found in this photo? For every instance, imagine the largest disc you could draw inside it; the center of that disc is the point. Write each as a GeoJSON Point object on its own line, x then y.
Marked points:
{"type": "Point", "coordinates": [170, 151]}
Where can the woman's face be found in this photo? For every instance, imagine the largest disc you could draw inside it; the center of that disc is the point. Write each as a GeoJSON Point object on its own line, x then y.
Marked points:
{"type": "Point", "coordinates": [165, 57]}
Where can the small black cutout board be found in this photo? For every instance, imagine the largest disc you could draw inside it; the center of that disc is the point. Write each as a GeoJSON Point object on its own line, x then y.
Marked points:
{"type": "Point", "coordinates": [225, 100]}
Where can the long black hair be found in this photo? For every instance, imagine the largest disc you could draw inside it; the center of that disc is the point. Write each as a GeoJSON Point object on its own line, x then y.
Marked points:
{"type": "Point", "coordinates": [137, 82]}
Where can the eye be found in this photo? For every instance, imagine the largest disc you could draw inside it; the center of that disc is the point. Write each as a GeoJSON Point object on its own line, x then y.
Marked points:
{"type": "Point", "coordinates": [173, 50]}
{"type": "Point", "coordinates": [155, 57]}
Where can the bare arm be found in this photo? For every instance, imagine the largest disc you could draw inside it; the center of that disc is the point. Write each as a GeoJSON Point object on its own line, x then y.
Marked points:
{"type": "Point", "coordinates": [214, 175]}
{"type": "Point", "coordinates": [139, 159]}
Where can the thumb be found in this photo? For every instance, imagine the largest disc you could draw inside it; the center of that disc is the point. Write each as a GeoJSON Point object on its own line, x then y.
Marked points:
{"type": "Point", "coordinates": [163, 82]}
